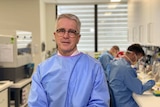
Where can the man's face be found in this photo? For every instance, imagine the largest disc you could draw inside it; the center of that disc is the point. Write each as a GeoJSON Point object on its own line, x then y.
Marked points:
{"type": "Point", "coordinates": [137, 57]}
{"type": "Point", "coordinates": [67, 36]}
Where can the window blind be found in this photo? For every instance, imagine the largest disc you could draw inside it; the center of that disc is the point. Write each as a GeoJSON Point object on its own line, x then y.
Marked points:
{"type": "Point", "coordinates": [112, 26]}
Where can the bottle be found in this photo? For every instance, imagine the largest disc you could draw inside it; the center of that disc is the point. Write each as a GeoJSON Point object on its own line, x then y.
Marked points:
{"type": "Point", "coordinates": [156, 66]}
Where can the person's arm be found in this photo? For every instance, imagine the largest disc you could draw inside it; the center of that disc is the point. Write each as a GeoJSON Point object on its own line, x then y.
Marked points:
{"type": "Point", "coordinates": [100, 96]}
{"type": "Point", "coordinates": [37, 96]}
{"type": "Point", "coordinates": [134, 84]}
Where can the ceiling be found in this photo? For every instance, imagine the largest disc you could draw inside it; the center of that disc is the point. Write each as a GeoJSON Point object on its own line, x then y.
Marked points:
{"type": "Point", "coordinates": [78, 1]}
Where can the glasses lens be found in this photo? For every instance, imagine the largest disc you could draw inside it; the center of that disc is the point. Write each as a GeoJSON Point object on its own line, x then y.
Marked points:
{"type": "Point", "coordinates": [61, 32]}
{"type": "Point", "coordinates": [71, 32]}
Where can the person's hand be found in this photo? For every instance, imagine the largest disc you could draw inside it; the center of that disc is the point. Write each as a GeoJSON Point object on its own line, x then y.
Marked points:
{"type": "Point", "coordinates": [150, 83]}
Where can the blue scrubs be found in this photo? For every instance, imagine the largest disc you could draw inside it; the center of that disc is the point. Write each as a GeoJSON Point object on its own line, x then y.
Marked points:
{"type": "Point", "coordinates": [74, 81]}
{"type": "Point", "coordinates": [105, 58]}
{"type": "Point", "coordinates": [123, 81]}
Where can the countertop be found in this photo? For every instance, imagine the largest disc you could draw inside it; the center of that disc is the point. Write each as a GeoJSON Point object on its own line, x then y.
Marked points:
{"type": "Point", "coordinates": [21, 83]}
{"type": "Point", "coordinates": [147, 99]}
{"type": "Point", "coordinates": [5, 84]}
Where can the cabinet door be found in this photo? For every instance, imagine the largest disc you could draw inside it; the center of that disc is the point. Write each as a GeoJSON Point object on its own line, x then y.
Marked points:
{"type": "Point", "coordinates": [144, 15]}
{"type": "Point", "coordinates": [4, 98]}
{"type": "Point", "coordinates": [130, 20]}
{"type": "Point", "coordinates": [134, 20]}
{"type": "Point", "coordinates": [144, 21]}
{"type": "Point", "coordinates": [155, 22]}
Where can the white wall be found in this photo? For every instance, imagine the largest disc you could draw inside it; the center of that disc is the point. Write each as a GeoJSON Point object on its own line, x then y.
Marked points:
{"type": "Point", "coordinates": [28, 15]}
{"type": "Point", "coordinates": [50, 25]}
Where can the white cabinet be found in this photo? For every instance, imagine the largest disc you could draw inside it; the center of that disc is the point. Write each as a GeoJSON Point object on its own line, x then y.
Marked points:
{"type": "Point", "coordinates": [130, 20]}
{"type": "Point", "coordinates": [144, 23]}
{"type": "Point", "coordinates": [144, 16]}
{"type": "Point", "coordinates": [134, 20]}
{"type": "Point", "coordinates": [4, 85]}
{"type": "Point", "coordinates": [4, 98]}
{"type": "Point", "coordinates": [155, 22]}
{"type": "Point", "coordinates": [148, 22]}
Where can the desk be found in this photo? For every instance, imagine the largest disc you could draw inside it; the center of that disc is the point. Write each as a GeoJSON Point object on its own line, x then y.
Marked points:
{"type": "Point", "coordinates": [17, 90]}
{"type": "Point", "coordinates": [147, 99]}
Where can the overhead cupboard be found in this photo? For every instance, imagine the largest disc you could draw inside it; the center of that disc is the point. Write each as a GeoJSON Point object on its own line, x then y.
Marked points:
{"type": "Point", "coordinates": [143, 22]}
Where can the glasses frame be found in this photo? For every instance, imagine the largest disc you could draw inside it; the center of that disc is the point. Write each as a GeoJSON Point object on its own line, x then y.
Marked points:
{"type": "Point", "coordinates": [71, 32]}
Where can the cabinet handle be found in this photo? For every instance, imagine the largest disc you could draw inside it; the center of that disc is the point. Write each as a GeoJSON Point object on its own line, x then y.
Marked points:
{"type": "Point", "coordinates": [134, 35]}
{"type": "Point", "coordinates": [141, 32]}
{"type": "Point", "coordinates": [149, 32]}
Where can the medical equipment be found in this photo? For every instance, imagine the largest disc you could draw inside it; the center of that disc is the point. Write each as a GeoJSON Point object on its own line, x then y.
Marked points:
{"type": "Point", "coordinates": [16, 56]}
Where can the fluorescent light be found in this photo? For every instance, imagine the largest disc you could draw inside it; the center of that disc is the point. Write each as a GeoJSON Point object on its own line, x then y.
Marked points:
{"type": "Point", "coordinates": [115, 0]}
{"type": "Point", "coordinates": [107, 13]}
{"type": "Point", "coordinates": [111, 6]}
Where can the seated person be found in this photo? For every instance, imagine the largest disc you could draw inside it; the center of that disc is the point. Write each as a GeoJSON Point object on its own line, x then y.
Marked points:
{"type": "Point", "coordinates": [122, 78]}
{"type": "Point", "coordinates": [107, 56]}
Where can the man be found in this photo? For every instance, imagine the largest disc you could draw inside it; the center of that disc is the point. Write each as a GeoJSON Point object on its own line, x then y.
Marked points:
{"type": "Point", "coordinates": [107, 56]}
{"type": "Point", "coordinates": [123, 79]}
{"type": "Point", "coordinates": [69, 78]}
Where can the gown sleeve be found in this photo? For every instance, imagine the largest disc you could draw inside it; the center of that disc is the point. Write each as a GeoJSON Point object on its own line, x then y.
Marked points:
{"type": "Point", "coordinates": [37, 96]}
{"type": "Point", "coordinates": [134, 84]}
{"type": "Point", "coordinates": [100, 97]}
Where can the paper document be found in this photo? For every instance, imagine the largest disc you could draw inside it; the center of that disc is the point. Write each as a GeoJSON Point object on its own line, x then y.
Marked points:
{"type": "Point", "coordinates": [6, 52]}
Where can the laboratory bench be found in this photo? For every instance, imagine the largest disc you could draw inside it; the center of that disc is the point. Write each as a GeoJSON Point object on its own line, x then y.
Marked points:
{"type": "Point", "coordinates": [5, 93]}
{"type": "Point", "coordinates": [19, 93]}
{"type": "Point", "coordinates": [147, 99]}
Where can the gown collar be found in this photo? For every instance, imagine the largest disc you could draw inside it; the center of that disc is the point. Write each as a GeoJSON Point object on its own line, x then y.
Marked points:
{"type": "Point", "coordinates": [73, 54]}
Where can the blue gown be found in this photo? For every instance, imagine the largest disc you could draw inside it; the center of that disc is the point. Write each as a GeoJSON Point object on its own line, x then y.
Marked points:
{"type": "Point", "coordinates": [75, 81]}
{"type": "Point", "coordinates": [105, 58]}
{"type": "Point", "coordinates": [123, 81]}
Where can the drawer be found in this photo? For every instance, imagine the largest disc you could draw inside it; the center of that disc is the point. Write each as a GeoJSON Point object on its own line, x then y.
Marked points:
{"type": "Point", "coordinates": [4, 98]}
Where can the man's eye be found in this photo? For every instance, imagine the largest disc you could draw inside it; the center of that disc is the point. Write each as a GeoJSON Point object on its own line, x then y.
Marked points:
{"type": "Point", "coordinates": [72, 31]}
{"type": "Point", "coordinates": [62, 30]}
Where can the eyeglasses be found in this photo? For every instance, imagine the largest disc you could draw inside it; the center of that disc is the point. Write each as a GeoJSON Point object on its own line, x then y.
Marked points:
{"type": "Point", "coordinates": [71, 32]}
